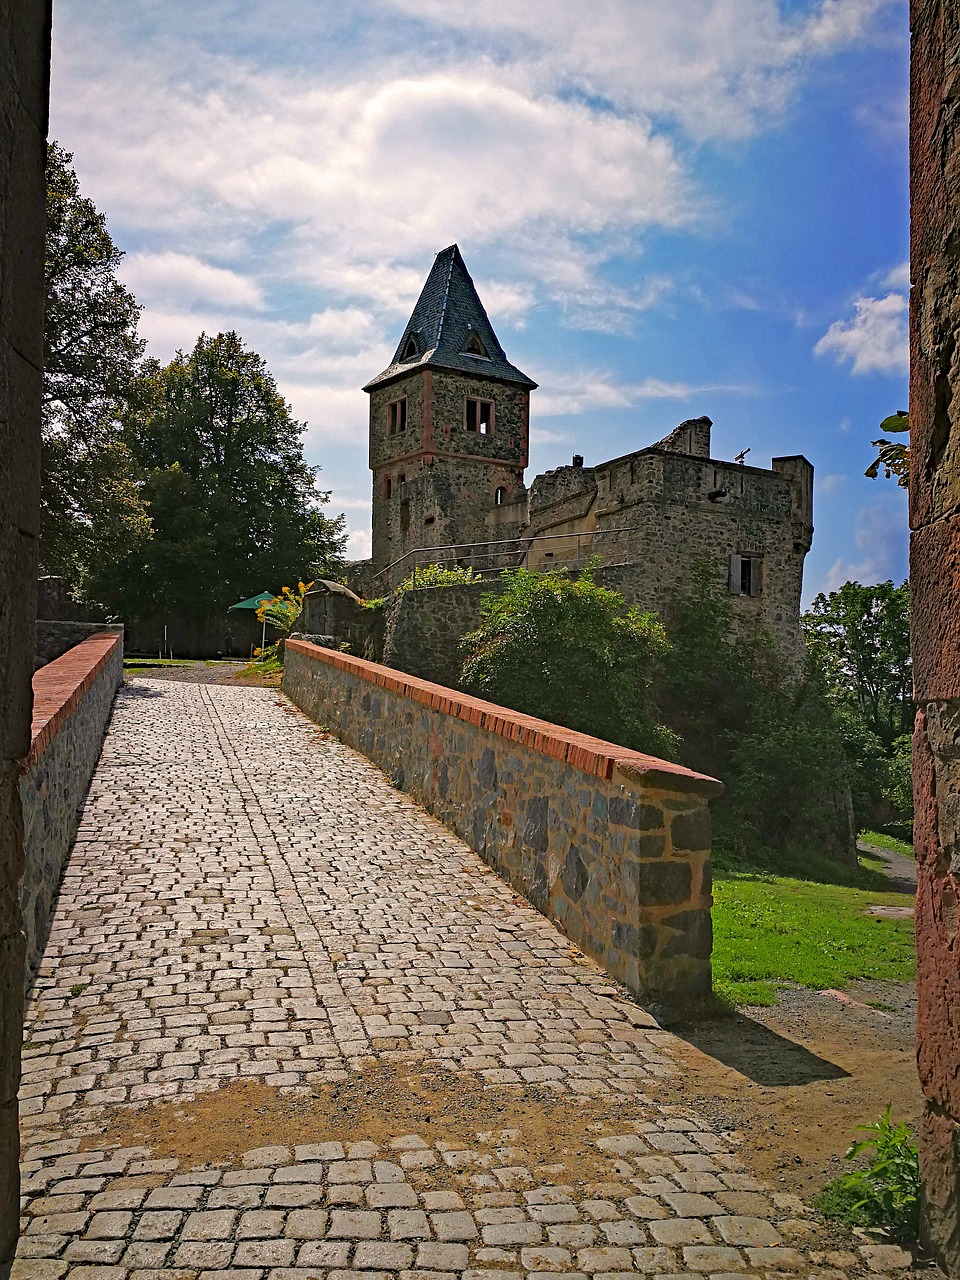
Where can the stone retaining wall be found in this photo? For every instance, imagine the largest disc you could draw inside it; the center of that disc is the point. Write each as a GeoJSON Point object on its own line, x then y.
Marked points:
{"type": "Point", "coordinates": [425, 629]}
{"type": "Point", "coordinates": [72, 699]}
{"type": "Point", "coordinates": [612, 845]}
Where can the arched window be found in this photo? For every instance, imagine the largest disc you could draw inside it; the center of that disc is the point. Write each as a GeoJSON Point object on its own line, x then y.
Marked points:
{"type": "Point", "coordinates": [410, 349]}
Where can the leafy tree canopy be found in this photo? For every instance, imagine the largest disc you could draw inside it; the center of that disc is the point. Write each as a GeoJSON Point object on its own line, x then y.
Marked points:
{"type": "Point", "coordinates": [235, 506]}
{"type": "Point", "coordinates": [233, 502]}
{"type": "Point", "coordinates": [90, 505]}
{"type": "Point", "coordinates": [765, 728]}
{"type": "Point", "coordinates": [572, 652]}
{"type": "Point", "coordinates": [860, 636]}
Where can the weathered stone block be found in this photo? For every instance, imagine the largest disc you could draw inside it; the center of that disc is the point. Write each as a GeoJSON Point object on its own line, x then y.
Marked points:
{"type": "Point", "coordinates": [691, 830]}
{"type": "Point", "coordinates": [660, 884]}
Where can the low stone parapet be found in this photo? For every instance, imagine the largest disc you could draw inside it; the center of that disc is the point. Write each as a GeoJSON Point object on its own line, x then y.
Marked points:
{"type": "Point", "coordinates": [72, 699]}
{"type": "Point", "coordinates": [611, 844]}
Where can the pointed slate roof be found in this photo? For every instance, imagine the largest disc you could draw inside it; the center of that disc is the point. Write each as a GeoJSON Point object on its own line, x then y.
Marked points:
{"type": "Point", "coordinates": [449, 319]}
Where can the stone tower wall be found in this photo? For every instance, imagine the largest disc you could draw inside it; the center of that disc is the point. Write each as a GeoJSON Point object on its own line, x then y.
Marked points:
{"type": "Point", "coordinates": [681, 510]}
{"type": "Point", "coordinates": [450, 475]}
{"type": "Point", "coordinates": [935, 622]}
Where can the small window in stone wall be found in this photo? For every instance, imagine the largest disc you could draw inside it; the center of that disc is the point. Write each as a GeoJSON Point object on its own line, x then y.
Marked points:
{"type": "Point", "coordinates": [499, 496]}
{"type": "Point", "coordinates": [479, 416]}
{"type": "Point", "coordinates": [745, 576]}
{"type": "Point", "coordinates": [387, 487]}
{"type": "Point", "coordinates": [397, 416]}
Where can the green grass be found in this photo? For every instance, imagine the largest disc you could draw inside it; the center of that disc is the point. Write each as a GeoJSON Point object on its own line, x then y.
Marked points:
{"type": "Point", "coordinates": [807, 929]}
{"type": "Point", "coordinates": [886, 842]}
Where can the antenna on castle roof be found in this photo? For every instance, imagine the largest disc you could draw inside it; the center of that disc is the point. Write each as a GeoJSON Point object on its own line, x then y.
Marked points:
{"type": "Point", "coordinates": [739, 457]}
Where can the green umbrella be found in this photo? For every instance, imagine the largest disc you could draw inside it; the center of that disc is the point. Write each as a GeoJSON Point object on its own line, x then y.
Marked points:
{"type": "Point", "coordinates": [253, 604]}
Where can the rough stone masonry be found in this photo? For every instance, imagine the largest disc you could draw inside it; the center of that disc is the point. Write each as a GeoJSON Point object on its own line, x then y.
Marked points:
{"type": "Point", "coordinates": [934, 582]}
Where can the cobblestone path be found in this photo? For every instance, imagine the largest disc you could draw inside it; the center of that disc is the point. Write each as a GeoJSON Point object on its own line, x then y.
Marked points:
{"type": "Point", "coordinates": [249, 901]}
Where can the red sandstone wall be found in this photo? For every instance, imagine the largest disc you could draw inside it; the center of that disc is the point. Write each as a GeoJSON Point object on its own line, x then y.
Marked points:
{"type": "Point", "coordinates": [935, 587]}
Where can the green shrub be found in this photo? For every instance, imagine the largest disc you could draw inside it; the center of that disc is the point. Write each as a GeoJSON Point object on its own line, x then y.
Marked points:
{"type": "Point", "coordinates": [569, 651]}
{"type": "Point", "coordinates": [437, 575]}
{"type": "Point", "coordinates": [887, 1193]}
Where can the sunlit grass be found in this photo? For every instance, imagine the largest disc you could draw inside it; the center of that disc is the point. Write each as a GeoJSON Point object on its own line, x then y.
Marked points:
{"type": "Point", "coordinates": [774, 929]}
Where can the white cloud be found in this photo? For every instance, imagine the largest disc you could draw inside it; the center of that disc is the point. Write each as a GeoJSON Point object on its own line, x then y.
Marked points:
{"type": "Point", "coordinates": [350, 504]}
{"type": "Point", "coordinates": [245, 159]}
{"type": "Point", "coordinates": [543, 134]}
{"type": "Point", "coordinates": [881, 535]}
{"type": "Point", "coordinates": [359, 544]}
{"type": "Point", "coordinates": [507, 300]}
{"type": "Point", "coordinates": [721, 68]}
{"type": "Point", "coordinates": [342, 329]}
{"type": "Point", "coordinates": [899, 277]}
{"type": "Point", "coordinates": [539, 435]}
{"type": "Point", "coordinates": [875, 340]}
{"type": "Point", "coordinates": [578, 392]}
{"type": "Point", "coordinates": [182, 280]}
{"type": "Point", "coordinates": [830, 483]}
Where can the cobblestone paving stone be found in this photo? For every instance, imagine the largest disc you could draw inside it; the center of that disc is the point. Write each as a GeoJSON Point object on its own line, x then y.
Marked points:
{"type": "Point", "coordinates": [249, 899]}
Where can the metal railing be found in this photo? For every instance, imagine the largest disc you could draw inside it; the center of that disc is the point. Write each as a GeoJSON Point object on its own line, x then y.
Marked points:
{"type": "Point", "coordinates": [487, 559]}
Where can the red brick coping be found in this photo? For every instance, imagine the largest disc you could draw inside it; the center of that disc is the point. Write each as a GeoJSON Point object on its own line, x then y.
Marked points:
{"type": "Point", "coordinates": [59, 686]}
{"type": "Point", "coordinates": [592, 755]}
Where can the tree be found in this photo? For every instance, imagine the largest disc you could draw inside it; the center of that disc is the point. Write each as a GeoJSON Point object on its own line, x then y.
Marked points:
{"type": "Point", "coordinates": [90, 505]}
{"type": "Point", "coordinates": [765, 728]}
{"type": "Point", "coordinates": [235, 506]}
{"type": "Point", "coordinates": [860, 636]}
{"type": "Point", "coordinates": [571, 652]}
{"type": "Point", "coordinates": [893, 457]}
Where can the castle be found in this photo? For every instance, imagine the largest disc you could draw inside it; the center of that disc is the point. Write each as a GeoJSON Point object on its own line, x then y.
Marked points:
{"type": "Point", "coordinates": [449, 435]}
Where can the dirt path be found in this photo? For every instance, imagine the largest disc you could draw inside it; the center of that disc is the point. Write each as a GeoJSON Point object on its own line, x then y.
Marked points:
{"type": "Point", "coordinates": [794, 1081]}
{"type": "Point", "coordinates": [901, 869]}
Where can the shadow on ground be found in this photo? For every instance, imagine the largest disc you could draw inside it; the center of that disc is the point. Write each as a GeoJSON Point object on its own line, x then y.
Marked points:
{"type": "Point", "coordinates": [759, 1053]}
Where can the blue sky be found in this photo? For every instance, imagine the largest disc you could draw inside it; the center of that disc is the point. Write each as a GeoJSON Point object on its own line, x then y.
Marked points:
{"type": "Point", "coordinates": [669, 210]}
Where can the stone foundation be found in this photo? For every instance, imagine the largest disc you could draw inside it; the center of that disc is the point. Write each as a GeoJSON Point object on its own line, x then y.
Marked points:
{"type": "Point", "coordinates": [612, 845]}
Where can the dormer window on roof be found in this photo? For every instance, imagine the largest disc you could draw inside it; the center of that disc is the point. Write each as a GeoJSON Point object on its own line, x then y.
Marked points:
{"type": "Point", "coordinates": [410, 349]}
{"type": "Point", "coordinates": [474, 347]}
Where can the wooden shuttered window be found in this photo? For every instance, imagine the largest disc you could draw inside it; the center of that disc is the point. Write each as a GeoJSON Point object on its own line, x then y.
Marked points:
{"type": "Point", "coordinates": [745, 575]}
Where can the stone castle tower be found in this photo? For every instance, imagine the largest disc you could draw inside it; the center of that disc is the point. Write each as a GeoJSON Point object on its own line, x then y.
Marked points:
{"type": "Point", "coordinates": [449, 423]}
